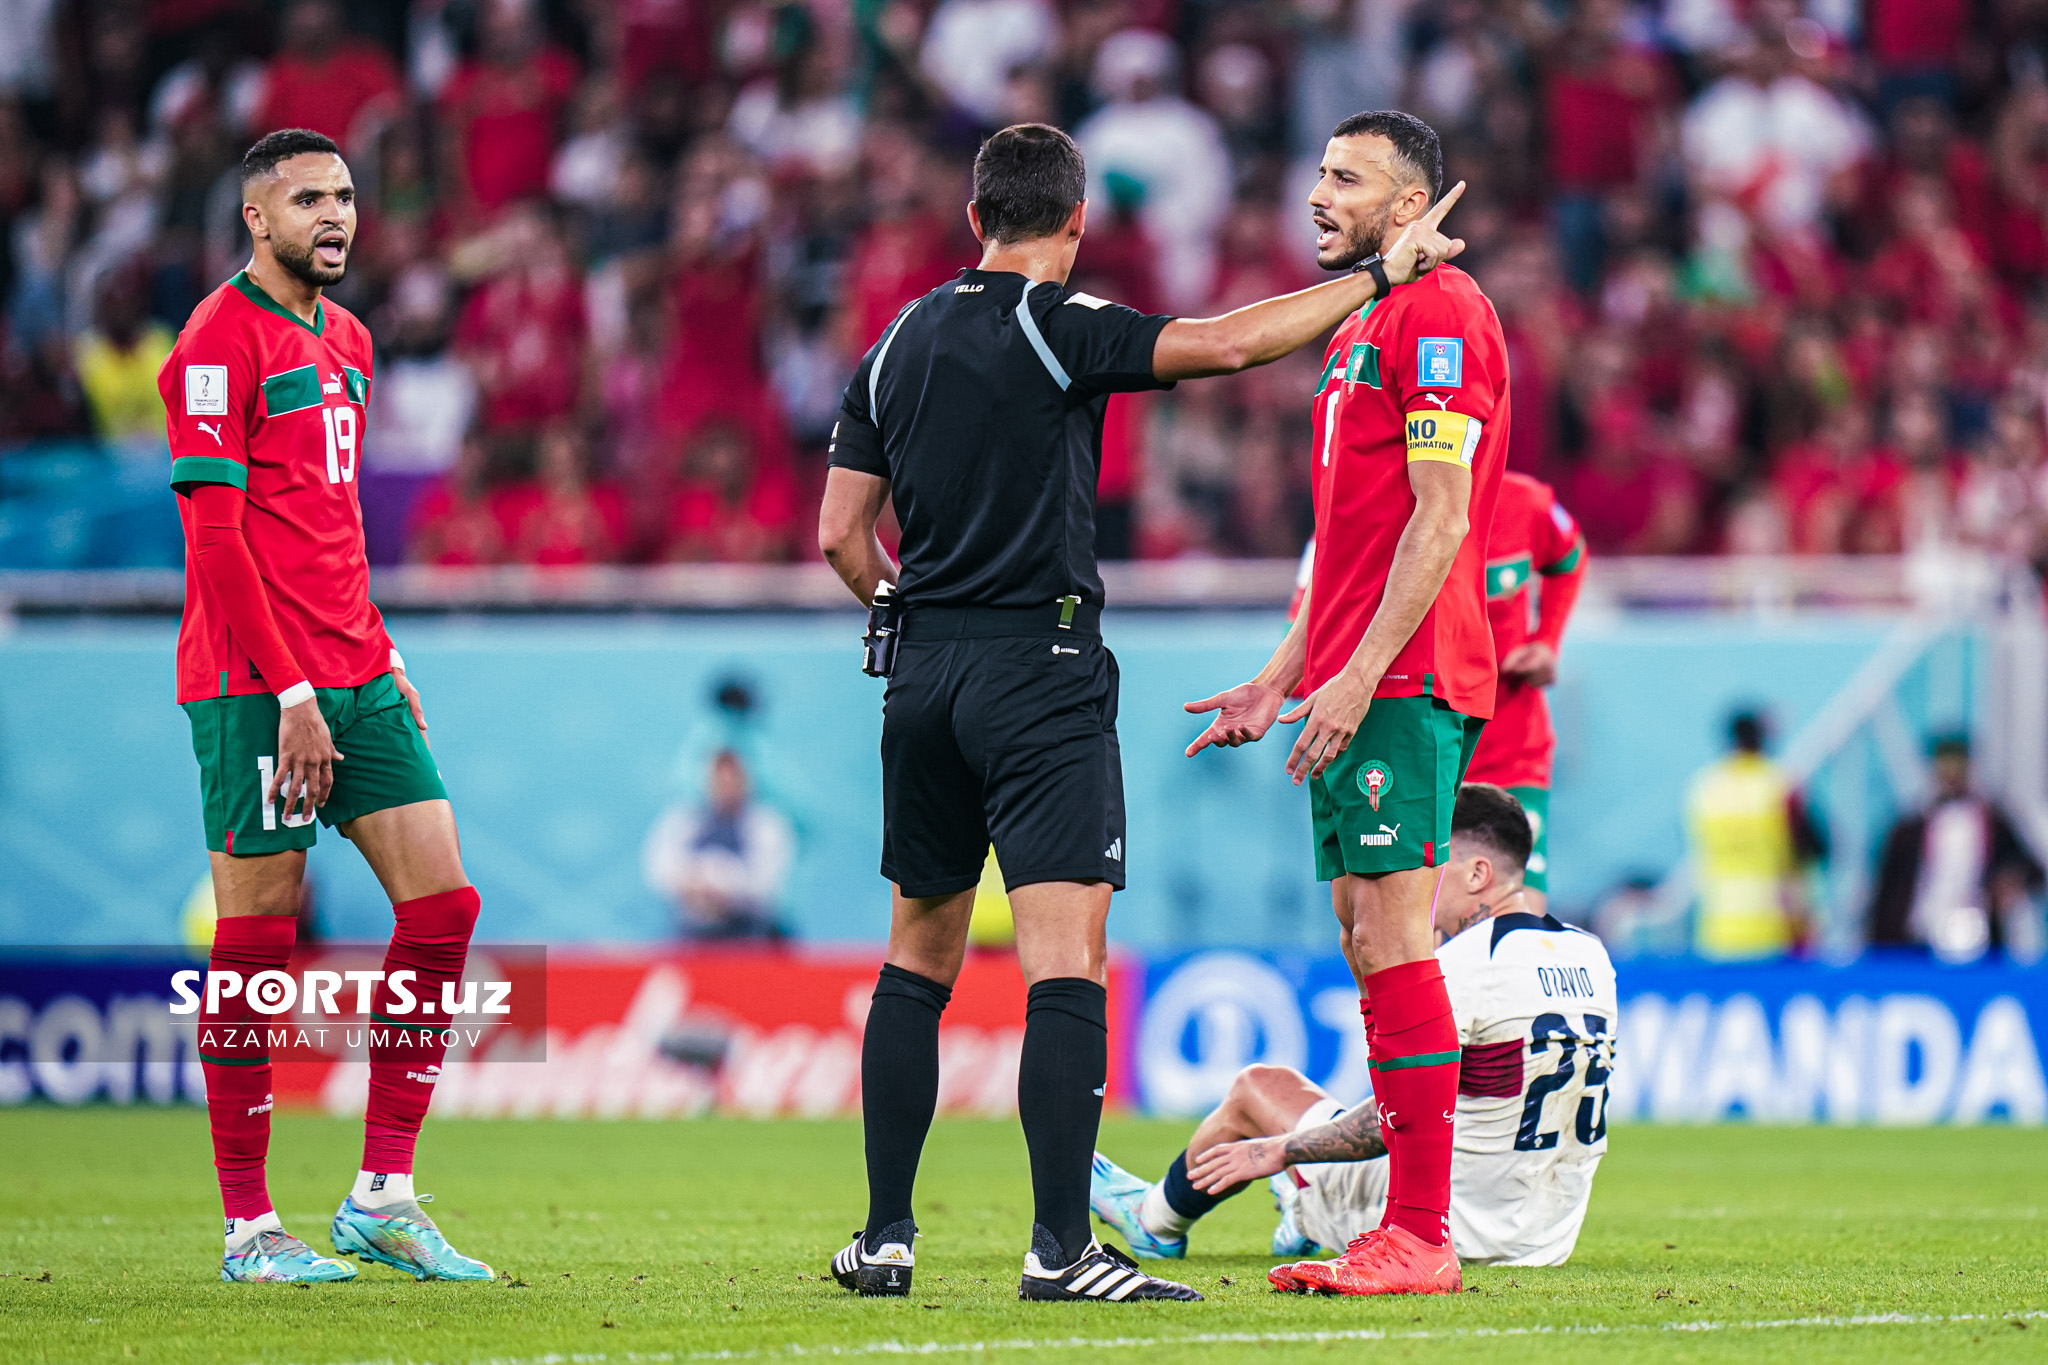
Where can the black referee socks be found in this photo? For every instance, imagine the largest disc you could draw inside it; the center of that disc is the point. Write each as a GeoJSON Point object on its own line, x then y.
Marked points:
{"type": "Point", "coordinates": [899, 1084]}
{"type": "Point", "coordinates": [1059, 1097]}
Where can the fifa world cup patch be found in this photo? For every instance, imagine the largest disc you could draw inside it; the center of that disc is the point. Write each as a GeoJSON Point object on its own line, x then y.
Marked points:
{"type": "Point", "coordinates": [1440, 362]}
{"type": "Point", "coordinates": [206, 390]}
{"type": "Point", "coordinates": [1450, 437]}
{"type": "Point", "coordinates": [1376, 780]}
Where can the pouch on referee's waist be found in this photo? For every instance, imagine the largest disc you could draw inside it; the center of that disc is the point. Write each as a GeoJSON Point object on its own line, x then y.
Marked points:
{"type": "Point", "coordinates": [885, 628]}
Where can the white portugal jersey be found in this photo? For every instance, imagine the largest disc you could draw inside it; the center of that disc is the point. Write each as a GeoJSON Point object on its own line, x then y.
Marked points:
{"type": "Point", "coordinates": [1535, 1005]}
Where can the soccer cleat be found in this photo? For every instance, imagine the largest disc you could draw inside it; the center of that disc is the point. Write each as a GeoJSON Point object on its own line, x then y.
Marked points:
{"type": "Point", "coordinates": [1100, 1274]}
{"type": "Point", "coordinates": [404, 1238]}
{"type": "Point", "coordinates": [1387, 1260]}
{"type": "Point", "coordinates": [276, 1257]}
{"type": "Point", "coordinates": [1116, 1196]}
{"type": "Point", "coordinates": [886, 1270]}
{"type": "Point", "coordinates": [1288, 1238]}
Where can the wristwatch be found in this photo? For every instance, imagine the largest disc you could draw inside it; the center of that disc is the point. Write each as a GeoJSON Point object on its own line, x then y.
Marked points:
{"type": "Point", "coordinates": [1375, 267]}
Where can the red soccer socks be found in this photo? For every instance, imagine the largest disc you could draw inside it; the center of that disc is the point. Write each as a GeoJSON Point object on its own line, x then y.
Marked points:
{"type": "Point", "coordinates": [235, 1058]}
{"type": "Point", "coordinates": [1414, 1053]}
{"type": "Point", "coordinates": [431, 940]}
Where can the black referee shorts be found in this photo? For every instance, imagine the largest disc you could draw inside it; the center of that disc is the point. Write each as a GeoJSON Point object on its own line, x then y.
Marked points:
{"type": "Point", "coordinates": [1000, 727]}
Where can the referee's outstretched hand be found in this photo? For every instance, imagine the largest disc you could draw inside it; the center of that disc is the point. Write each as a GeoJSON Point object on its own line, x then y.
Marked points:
{"type": "Point", "coordinates": [1243, 715]}
{"type": "Point", "coordinates": [1421, 248]}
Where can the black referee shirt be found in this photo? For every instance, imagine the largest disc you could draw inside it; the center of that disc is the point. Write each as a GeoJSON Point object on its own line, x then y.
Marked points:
{"type": "Point", "coordinates": [986, 418]}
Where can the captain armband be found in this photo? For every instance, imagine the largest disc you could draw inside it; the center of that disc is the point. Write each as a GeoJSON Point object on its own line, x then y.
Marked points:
{"type": "Point", "coordinates": [1450, 437]}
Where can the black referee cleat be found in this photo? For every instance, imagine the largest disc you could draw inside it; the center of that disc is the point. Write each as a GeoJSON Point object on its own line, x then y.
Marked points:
{"type": "Point", "coordinates": [1100, 1275]}
{"type": "Point", "coordinates": [884, 1268]}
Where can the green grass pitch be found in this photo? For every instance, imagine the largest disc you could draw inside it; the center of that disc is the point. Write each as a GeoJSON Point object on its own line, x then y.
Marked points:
{"type": "Point", "coordinates": [708, 1240]}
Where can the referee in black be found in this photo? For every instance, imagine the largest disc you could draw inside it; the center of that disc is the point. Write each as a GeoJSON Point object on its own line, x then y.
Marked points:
{"type": "Point", "coordinates": [980, 412]}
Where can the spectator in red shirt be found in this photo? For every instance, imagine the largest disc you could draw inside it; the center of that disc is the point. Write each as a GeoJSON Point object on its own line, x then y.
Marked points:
{"type": "Point", "coordinates": [1836, 492]}
{"type": "Point", "coordinates": [454, 525]}
{"type": "Point", "coordinates": [325, 79]}
{"type": "Point", "coordinates": [1631, 499]}
{"type": "Point", "coordinates": [1599, 100]}
{"type": "Point", "coordinates": [730, 508]}
{"type": "Point", "coordinates": [561, 518]}
{"type": "Point", "coordinates": [523, 330]}
{"type": "Point", "coordinates": [502, 111]}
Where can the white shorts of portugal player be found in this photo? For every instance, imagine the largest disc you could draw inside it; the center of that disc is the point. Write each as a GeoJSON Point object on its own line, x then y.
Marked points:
{"type": "Point", "coordinates": [1535, 1005]}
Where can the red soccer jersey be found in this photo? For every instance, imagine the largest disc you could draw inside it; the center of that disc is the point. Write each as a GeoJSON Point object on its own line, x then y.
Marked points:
{"type": "Point", "coordinates": [1531, 536]}
{"type": "Point", "coordinates": [255, 398]}
{"type": "Point", "coordinates": [1422, 375]}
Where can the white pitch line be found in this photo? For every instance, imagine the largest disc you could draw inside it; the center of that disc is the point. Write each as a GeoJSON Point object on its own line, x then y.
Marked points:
{"type": "Point", "coordinates": [942, 1348]}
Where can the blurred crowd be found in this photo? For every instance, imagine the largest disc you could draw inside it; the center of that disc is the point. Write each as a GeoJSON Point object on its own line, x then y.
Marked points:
{"type": "Point", "coordinates": [1772, 273]}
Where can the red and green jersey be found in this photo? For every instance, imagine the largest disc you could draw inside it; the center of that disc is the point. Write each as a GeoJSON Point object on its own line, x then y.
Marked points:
{"type": "Point", "coordinates": [1531, 537]}
{"type": "Point", "coordinates": [1421, 375]}
{"type": "Point", "coordinates": [256, 398]}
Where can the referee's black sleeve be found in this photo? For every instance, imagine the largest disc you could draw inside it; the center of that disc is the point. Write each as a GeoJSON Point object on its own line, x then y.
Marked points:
{"type": "Point", "coordinates": [856, 440]}
{"type": "Point", "coordinates": [1104, 347]}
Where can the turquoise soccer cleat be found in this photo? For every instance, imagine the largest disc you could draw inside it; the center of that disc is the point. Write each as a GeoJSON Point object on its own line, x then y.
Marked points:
{"type": "Point", "coordinates": [1115, 1195]}
{"type": "Point", "coordinates": [1288, 1238]}
{"type": "Point", "coordinates": [404, 1238]}
{"type": "Point", "coordinates": [277, 1257]}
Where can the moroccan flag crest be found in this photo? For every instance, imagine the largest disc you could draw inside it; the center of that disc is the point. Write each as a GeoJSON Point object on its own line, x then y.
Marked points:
{"type": "Point", "coordinates": [1376, 780]}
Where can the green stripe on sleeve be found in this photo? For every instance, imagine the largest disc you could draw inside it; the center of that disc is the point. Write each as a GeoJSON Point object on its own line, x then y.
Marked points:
{"type": "Point", "coordinates": [356, 383]}
{"type": "Point", "coordinates": [292, 391]}
{"type": "Point", "coordinates": [1568, 563]}
{"type": "Point", "coordinates": [1419, 1059]}
{"type": "Point", "coordinates": [209, 469]}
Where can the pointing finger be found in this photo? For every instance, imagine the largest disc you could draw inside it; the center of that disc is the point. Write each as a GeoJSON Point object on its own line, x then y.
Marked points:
{"type": "Point", "coordinates": [1443, 206]}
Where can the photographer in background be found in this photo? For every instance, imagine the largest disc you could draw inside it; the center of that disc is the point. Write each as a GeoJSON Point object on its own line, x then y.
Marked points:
{"type": "Point", "coordinates": [722, 864]}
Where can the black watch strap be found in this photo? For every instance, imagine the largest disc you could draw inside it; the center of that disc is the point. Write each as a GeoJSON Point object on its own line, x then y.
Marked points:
{"type": "Point", "coordinates": [1375, 267]}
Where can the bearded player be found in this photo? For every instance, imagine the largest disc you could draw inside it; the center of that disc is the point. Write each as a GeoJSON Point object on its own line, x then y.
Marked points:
{"type": "Point", "coordinates": [1411, 419]}
{"type": "Point", "coordinates": [300, 707]}
{"type": "Point", "coordinates": [1532, 538]}
{"type": "Point", "coordinates": [1535, 1004]}
{"type": "Point", "coordinates": [1535, 563]}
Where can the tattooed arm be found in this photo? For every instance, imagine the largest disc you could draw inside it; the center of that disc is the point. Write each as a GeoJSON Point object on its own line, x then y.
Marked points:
{"type": "Point", "coordinates": [1353, 1136]}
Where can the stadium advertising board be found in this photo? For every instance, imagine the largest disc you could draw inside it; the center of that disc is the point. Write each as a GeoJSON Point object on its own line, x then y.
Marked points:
{"type": "Point", "coordinates": [638, 1034]}
{"type": "Point", "coordinates": [1873, 1042]}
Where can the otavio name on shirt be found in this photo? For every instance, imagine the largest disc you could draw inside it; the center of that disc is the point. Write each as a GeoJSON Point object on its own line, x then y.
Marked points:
{"type": "Point", "coordinates": [1575, 982]}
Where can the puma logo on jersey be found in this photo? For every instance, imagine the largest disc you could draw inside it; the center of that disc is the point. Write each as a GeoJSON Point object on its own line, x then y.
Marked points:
{"type": "Point", "coordinates": [1384, 839]}
{"type": "Point", "coordinates": [1442, 400]}
{"type": "Point", "coordinates": [211, 430]}
{"type": "Point", "coordinates": [332, 386]}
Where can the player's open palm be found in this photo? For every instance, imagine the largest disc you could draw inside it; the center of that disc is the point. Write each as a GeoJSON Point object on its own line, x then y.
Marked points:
{"type": "Point", "coordinates": [1421, 247]}
{"type": "Point", "coordinates": [305, 759]}
{"type": "Point", "coordinates": [1228, 1165]}
{"type": "Point", "coordinates": [1243, 715]}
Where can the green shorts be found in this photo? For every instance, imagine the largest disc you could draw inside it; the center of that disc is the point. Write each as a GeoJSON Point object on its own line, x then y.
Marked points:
{"type": "Point", "coordinates": [1536, 801]}
{"type": "Point", "coordinates": [1385, 804]}
{"type": "Point", "coordinates": [384, 763]}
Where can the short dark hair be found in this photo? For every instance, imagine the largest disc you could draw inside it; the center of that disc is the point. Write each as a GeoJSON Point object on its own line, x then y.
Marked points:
{"type": "Point", "coordinates": [1415, 143]}
{"type": "Point", "coordinates": [1490, 815]}
{"type": "Point", "coordinates": [1747, 731]}
{"type": "Point", "coordinates": [283, 145]}
{"type": "Point", "coordinates": [1027, 179]}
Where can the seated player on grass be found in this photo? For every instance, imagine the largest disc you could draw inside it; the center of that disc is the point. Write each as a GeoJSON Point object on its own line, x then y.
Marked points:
{"type": "Point", "coordinates": [1535, 1006]}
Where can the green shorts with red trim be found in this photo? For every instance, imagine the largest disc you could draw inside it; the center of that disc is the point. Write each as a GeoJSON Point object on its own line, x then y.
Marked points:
{"type": "Point", "coordinates": [384, 763]}
{"type": "Point", "coordinates": [1385, 803]}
